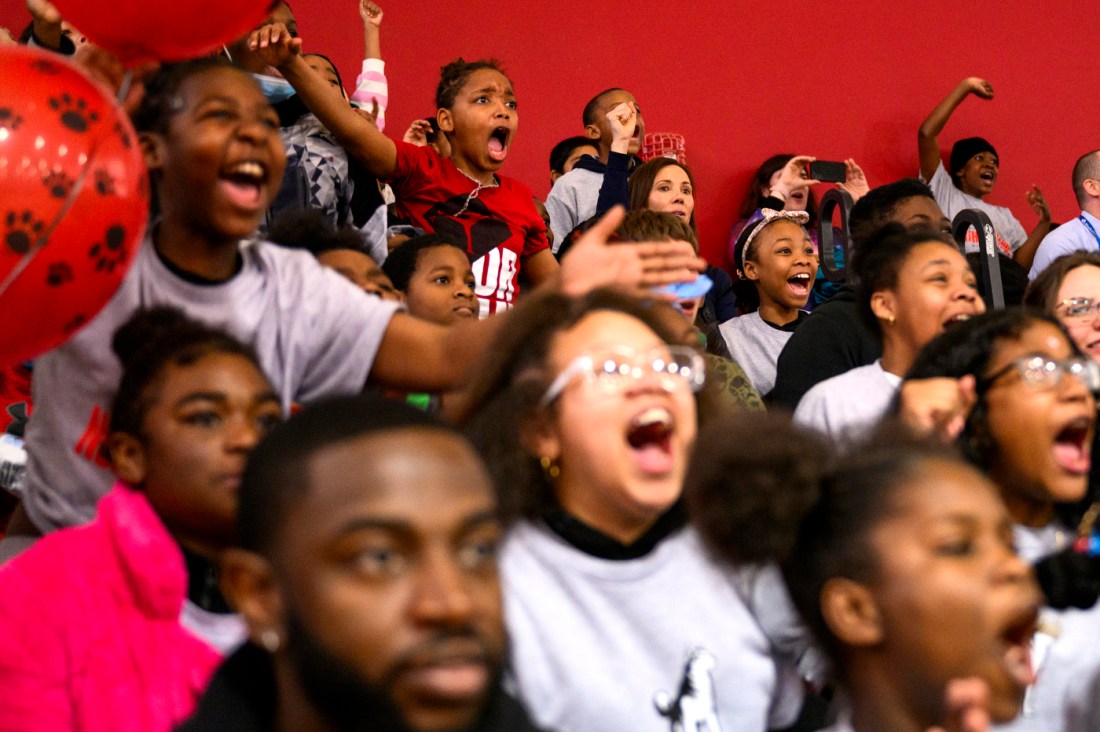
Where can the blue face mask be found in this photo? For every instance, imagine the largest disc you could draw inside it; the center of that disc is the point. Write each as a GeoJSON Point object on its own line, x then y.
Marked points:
{"type": "Point", "coordinates": [275, 89]}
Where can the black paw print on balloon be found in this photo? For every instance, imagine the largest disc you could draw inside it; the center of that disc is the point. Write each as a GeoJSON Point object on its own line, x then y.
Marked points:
{"type": "Point", "coordinates": [104, 183]}
{"type": "Point", "coordinates": [74, 112]}
{"type": "Point", "coordinates": [111, 252]}
{"type": "Point", "coordinates": [10, 119]}
{"type": "Point", "coordinates": [45, 66]}
{"type": "Point", "coordinates": [58, 184]}
{"type": "Point", "coordinates": [58, 274]}
{"type": "Point", "coordinates": [21, 230]}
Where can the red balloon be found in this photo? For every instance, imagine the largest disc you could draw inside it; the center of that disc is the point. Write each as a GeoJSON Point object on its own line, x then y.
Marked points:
{"type": "Point", "coordinates": [74, 200]}
{"type": "Point", "coordinates": [162, 30]}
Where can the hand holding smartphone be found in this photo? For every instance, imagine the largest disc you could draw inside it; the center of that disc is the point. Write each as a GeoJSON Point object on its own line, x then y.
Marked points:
{"type": "Point", "coordinates": [828, 172]}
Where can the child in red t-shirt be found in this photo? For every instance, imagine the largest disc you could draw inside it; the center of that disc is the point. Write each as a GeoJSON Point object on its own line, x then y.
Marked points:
{"type": "Point", "coordinates": [461, 196]}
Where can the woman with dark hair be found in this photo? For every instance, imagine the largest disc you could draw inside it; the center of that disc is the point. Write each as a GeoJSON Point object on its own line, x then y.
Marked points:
{"type": "Point", "coordinates": [912, 284]}
{"type": "Point", "coordinates": [667, 186]}
{"type": "Point", "coordinates": [898, 556]}
{"type": "Point", "coordinates": [586, 411]}
{"type": "Point", "coordinates": [1024, 399]}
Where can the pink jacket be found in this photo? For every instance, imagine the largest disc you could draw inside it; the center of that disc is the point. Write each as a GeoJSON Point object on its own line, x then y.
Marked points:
{"type": "Point", "coordinates": [90, 637]}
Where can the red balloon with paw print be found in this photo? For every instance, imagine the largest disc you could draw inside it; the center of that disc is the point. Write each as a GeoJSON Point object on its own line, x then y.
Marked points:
{"type": "Point", "coordinates": [74, 200]}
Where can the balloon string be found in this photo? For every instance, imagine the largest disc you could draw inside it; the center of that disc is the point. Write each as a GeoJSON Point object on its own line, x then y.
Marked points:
{"type": "Point", "coordinates": [44, 239]}
{"type": "Point", "coordinates": [124, 87]}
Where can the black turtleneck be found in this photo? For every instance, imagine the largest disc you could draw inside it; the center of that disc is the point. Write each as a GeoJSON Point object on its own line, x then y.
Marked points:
{"type": "Point", "coordinates": [598, 544]}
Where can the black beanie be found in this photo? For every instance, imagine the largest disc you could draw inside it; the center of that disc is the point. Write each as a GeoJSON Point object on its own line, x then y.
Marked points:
{"type": "Point", "coordinates": [966, 149]}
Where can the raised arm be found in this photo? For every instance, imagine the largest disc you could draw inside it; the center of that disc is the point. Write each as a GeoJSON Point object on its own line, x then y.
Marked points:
{"type": "Point", "coordinates": [361, 139]}
{"type": "Point", "coordinates": [371, 15]}
{"type": "Point", "coordinates": [614, 191]}
{"type": "Point", "coordinates": [927, 144]}
{"type": "Point", "coordinates": [372, 92]}
{"type": "Point", "coordinates": [47, 25]}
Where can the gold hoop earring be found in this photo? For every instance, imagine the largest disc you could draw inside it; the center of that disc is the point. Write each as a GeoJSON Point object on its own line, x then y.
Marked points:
{"type": "Point", "coordinates": [549, 468]}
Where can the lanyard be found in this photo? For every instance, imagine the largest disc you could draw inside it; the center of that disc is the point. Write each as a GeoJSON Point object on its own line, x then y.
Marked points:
{"type": "Point", "coordinates": [1088, 225]}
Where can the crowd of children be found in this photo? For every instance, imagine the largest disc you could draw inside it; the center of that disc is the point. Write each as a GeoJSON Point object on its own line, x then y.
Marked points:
{"type": "Point", "coordinates": [371, 438]}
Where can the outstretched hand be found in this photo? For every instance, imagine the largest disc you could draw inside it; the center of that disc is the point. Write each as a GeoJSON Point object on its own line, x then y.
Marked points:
{"type": "Point", "coordinates": [1038, 203]}
{"type": "Point", "coordinates": [637, 267]}
{"type": "Point", "coordinates": [370, 13]}
{"type": "Point", "coordinates": [274, 44]}
{"type": "Point", "coordinates": [418, 132]}
{"type": "Point", "coordinates": [856, 182]}
{"type": "Point", "coordinates": [793, 176]}
{"type": "Point", "coordinates": [978, 87]}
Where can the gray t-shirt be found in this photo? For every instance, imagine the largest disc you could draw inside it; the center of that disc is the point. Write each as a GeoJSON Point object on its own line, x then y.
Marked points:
{"type": "Point", "coordinates": [314, 332]}
{"type": "Point", "coordinates": [756, 346]}
{"type": "Point", "coordinates": [572, 201]}
{"type": "Point", "coordinates": [628, 645]}
{"type": "Point", "coordinates": [848, 406]}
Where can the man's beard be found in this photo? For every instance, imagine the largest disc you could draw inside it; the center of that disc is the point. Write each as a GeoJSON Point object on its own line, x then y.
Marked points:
{"type": "Point", "coordinates": [350, 702]}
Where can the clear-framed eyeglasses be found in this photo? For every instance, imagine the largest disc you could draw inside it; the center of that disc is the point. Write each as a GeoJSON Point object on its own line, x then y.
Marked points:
{"type": "Point", "coordinates": [1041, 372]}
{"type": "Point", "coordinates": [1079, 310]}
{"type": "Point", "coordinates": [614, 369]}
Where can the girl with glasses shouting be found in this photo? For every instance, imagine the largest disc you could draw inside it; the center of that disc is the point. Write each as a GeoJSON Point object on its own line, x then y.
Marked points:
{"type": "Point", "coordinates": [587, 410]}
{"type": "Point", "coordinates": [1020, 394]}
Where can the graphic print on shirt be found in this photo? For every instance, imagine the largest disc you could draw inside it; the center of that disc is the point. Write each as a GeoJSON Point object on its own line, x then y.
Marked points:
{"type": "Point", "coordinates": [694, 708]}
{"type": "Point", "coordinates": [484, 236]}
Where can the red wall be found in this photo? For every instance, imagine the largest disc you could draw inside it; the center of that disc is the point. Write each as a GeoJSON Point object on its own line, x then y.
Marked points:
{"type": "Point", "coordinates": [743, 80]}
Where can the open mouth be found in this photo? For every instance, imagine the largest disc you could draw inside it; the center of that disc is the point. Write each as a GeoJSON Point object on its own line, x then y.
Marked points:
{"type": "Point", "coordinates": [1073, 446]}
{"type": "Point", "coordinates": [244, 183]}
{"type": "Point", "coordinates": [987, 176]}
{"type": "Point", "coordinates": [679, 213]}
{"type": "Point", "coordinates": [956, 319]}
{"type": "Point", "coordinates": [800, 284]}
{"type": "Point", "coordinates": [650, 439]}
{"type": "Point", "coordinates": [1016, 640]}
{"type": "Point", "coordinates": [498, 144]}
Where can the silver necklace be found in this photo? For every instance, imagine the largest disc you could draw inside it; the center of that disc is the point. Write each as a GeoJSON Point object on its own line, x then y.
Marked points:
{"type": "Point", "coordinates": [474, 193]}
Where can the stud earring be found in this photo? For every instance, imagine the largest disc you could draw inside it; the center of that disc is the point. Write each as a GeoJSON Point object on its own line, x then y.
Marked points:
{"type": "Point", "coordinates": [270, 640]}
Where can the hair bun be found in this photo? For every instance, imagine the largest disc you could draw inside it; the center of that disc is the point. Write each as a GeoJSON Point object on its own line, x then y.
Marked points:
{"type": "Point", "coordinates": [146, 331]}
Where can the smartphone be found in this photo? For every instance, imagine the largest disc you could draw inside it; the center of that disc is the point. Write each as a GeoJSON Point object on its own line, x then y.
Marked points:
{"type": "Point", "coordinates": [828, 172]}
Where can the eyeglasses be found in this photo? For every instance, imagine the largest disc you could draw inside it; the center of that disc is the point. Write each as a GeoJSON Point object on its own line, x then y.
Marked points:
{"type": "Point", "coordinates": [1080, 310]}
{"type": "Point", "coordinates": [1040, 372]}
{"type": "Point", "coordinates": [675, 367]}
